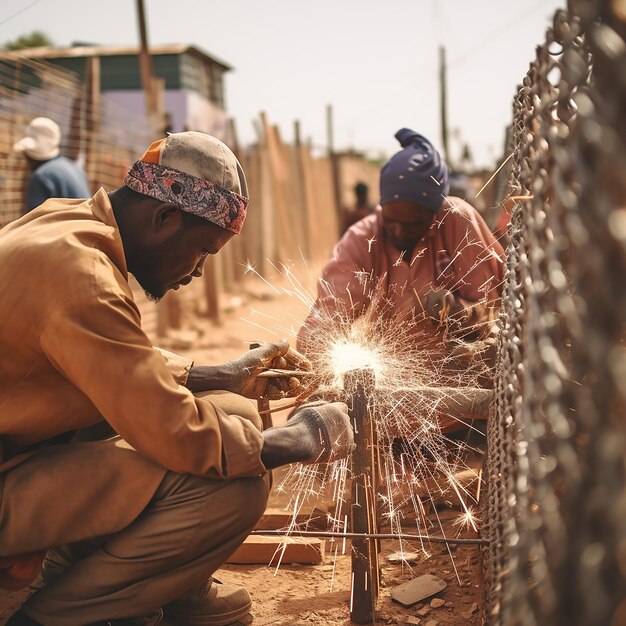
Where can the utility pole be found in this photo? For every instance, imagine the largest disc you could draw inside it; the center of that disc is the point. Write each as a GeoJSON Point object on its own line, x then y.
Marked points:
{"type": "Point", "coordinates": [145, 66]}
{"type": "Point", "coordinates": [443, 103]}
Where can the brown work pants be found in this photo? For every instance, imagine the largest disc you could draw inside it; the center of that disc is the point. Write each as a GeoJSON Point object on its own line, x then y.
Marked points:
{"type": "Point", "coordinates": [139, 536]}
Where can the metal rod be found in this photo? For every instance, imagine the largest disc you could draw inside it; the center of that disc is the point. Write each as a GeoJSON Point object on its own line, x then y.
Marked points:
{"type": "Point", "coordinates": [322, 534]}
{"type": "Point", "coordinates": [269, 411]}
{"type": "Point", "coordinates": [359, 384]}
{"type": "Point", "coordinates": [277, 373]}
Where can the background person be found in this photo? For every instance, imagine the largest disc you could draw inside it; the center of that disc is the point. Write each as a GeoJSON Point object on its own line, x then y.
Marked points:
{"type": "Point", "coordinates": [362, 207]}
{"type": "Point", "coordinates": [422, 259]}
{"type": "Point", "coordinates": [51, 175]}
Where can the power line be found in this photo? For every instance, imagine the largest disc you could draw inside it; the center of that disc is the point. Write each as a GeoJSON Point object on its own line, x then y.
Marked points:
{"type": "Point", "coordinates": [494, 34]}
{"type": "Point", "coordinates": [7, 19]}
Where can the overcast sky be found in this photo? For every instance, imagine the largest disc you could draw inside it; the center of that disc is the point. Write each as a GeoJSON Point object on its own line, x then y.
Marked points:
{"type": "Point", "coordinates": [375, 62]}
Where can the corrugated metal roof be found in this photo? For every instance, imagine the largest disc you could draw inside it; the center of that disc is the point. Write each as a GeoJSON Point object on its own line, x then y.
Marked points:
{"type": "Point", "coordinates": [93, 51]}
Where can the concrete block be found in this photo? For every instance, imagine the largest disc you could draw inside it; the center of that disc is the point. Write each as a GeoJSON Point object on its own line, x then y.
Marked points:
{"type": "Point", "coordinates": [409, 593]}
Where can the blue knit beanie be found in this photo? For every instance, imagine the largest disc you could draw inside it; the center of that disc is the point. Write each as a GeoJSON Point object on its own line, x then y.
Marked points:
{"type": "Point", "coordinates": [417, 173]}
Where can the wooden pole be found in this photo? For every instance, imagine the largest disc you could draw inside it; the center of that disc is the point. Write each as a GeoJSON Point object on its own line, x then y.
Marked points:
{"type": "Point", "coordinates": [330, 132]}
{"type": "Point", "coordinates": [443, 103]}
{"type": "Point", "coordinates": [365, 571]}
{"type": "Point", "coordinates": [300, 198]}
{"type": "Point", "coordinates": [334, 160]}
{"type": "Point", "coordinates": [297, 140]}
{"type": "Point", "coordinates": [234, 137]}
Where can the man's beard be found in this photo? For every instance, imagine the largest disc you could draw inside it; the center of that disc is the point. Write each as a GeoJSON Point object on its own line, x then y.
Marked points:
{"type": "Point", "coordinates": [151, 296]}
{"type": "Point", "coordinates": [148, 290]}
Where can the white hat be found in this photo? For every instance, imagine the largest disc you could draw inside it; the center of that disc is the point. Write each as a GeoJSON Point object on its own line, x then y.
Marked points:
{"type": "Point", "coordinates": [41, 139]}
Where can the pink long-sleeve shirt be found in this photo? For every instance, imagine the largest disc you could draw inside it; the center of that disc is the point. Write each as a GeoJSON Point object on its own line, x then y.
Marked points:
{"type": "Point", "coordinates": [458, 253]}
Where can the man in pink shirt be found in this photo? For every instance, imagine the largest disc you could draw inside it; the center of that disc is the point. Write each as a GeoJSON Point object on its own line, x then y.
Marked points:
{"type": "Point", "coordinates": [422, 259]}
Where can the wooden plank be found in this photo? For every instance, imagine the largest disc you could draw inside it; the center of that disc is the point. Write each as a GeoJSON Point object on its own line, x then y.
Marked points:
{"type": "Point", "coordinates": [278, 519]}
{"type": "Point", "coordinates": [322, 227]}
{"type": "Point", "coordinates": [326, 216]}
{"type": "Point", "coordinates": [301, 195]}
{"type": "Point", "coordinates": [252, 245]}
{"type": "Point", "coordinates": [212, 281]}
{"type": "Point", "coordinates": [294, 203]}
{"type": "Point", "coordinates": [286, 228]}
{"type": "Point", "coordinates": [309, 204]}
{"type": "Point", "coordinates": [269, 240]}
{"type": "Point", "coordinates": [272, 550]}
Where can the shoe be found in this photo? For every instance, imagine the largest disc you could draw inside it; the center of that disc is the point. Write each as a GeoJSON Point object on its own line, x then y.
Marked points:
{"type": "Point", "coordinates": [211, 604]}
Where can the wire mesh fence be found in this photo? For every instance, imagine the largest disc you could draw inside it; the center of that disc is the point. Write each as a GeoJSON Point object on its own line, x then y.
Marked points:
{"type": "Point", "coordinates": [556, 505]}
{"type": "Point", "coordinates": [100, 135]}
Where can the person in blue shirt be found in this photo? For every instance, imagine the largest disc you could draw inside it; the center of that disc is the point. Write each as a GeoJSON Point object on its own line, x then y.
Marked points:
{"type": "Point", "coordinates": [52, 175]}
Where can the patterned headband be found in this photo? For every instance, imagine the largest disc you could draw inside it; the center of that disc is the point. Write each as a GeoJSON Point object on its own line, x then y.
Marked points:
{"type": "Point", "coordinates": [194, 195]}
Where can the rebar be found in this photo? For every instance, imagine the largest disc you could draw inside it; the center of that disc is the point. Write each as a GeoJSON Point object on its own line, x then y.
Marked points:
{"type": "Point", "coordinates": [322, 534]}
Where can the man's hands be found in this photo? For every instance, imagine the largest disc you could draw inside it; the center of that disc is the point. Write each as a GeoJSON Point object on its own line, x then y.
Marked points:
{"type": "Point", "coordinates": [245, 371]}
{"type": "Point", "coordinates": [440, 304]}
{"type": "Point", "coordinates": [317, 432]}
{"type": "Point", "coordinates": [330, 428]}
{"type": "Point", "coordinates": [241, 375]}
{"type": "Point", "coordinates": [463, 319]}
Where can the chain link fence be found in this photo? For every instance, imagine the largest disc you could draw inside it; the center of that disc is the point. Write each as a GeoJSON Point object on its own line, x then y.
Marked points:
{"type": "Point", "coordinates": [556, 508]}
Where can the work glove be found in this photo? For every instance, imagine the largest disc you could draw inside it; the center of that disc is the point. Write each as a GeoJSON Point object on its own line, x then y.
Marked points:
{"type": "Point", "coordinates": [331, 434]}
{"type": "Point", "coordinates": [267, 356]}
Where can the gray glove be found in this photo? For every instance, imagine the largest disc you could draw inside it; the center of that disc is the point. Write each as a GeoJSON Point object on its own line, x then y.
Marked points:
{"type": "Point", "coordinates": [332, 437]}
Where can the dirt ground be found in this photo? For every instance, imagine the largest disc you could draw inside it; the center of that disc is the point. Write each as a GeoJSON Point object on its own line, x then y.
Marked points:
{"type": "Point", "coordinates": [299, 595]}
